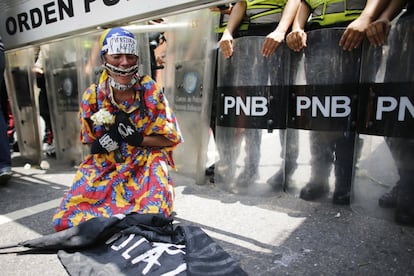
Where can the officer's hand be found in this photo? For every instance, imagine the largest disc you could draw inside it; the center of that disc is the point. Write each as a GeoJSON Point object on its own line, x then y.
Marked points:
{"type": "Point", "coordinates": [377, 32]}
{"type": "Point", "coordinates": [127, 130]}
{"type": "Point", "coordinates": [296, 40]}
{"type": "Point", "coordinates": [226, 44]}
{"type": "Point", "coordinates": [354, 34]}
{"type": "Point", "coordinates": [272, 42]}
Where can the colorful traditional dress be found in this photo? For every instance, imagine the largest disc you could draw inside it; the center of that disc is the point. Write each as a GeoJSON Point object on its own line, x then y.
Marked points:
{"type": "Point", "coordinates": [130, 179]}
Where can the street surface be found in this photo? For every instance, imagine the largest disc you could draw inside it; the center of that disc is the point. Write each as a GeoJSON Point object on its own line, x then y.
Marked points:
{"type": "Point", "coordinates": [277, 234]}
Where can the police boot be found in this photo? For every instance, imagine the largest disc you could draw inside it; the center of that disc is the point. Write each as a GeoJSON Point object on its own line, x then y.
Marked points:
{"type": "Point", "coordinates": [282, 176]}
{"type": "Point", "coordinates": [404, 212]}
{"type": "Point", "coordinates": [344, 150]}
{"type": "Point", "coordinates": [321, 165]}
{"type": "Point", "coordinates": [389, 199]}
{"type": "Point", "coordinates": [223, 172]}
{"type": "Point", "coordinates": [209, 172]}
{"type": "Point", "coordinates": [248, 176]}
{"type": "Point", "coordinates": [343, 180]}
{"type": "Point", "coordinates": [342, 193]}
{"type": "Point", "coordinates": [318, 185]}
{"type": "Point", "coordinates": [315, 189]}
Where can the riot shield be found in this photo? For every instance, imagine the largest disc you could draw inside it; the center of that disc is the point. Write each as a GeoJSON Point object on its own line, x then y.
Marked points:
{"type": "Point", "coordinates": [251, 114]}
{"type": "Point", "coordinates": [385, 172]}
{"type": "Point", "coordinates": [322, 107]}
{"type": "Point", "coordinates": [190, 61]}
{"type": "Point", "coordinates": [63, 92]}
{"type": "Point", "coordinates": [21, 89]}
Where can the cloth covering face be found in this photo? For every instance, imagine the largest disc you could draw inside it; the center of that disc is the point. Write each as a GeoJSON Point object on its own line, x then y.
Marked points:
{"type": "Point", "coordinates": [104, 185]}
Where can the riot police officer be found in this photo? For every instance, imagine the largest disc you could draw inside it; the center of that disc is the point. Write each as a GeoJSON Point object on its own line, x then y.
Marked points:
{"type": "Point", "coordinates": [401, 196]}
{"type": "Point", "coordinates": [332, 147]}
{"type": "Point", "coordinates": [270, 18]}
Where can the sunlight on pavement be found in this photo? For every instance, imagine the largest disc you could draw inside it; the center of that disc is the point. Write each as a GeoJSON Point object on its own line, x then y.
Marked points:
{"type": "Point", "coordinates": [29, 211]}
{"type": "Point", "coordinates": [249, 226]}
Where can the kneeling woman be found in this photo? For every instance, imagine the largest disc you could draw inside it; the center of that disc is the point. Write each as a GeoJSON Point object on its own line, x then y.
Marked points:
{"type": "Point", "coordinates": [132, 131]}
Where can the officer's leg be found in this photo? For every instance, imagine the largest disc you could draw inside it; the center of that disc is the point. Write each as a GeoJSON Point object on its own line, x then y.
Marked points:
{"type": "Point", "coordinates": [321, 147]}
{"type": "Point", "coordinates": [396, 146]}
{"type": "Point", "coordinates": [253, 139]}
{"type": "Point", "coordinates": [228, 145]}
{"type": "Point", "coordinates": [289, 140]}
{"type": "Point", "coordinates": [402, 151]}
{"type": "Point", "coordinates": [292, 152]}
{"type": "Point", "coordinates": [344, 157]}
{"type": "Point", "coordinates": [389, 199]}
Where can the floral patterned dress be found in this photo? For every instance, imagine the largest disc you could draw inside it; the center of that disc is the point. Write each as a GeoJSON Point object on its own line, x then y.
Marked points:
{"type": "Point", "coordinates": [130, 179]}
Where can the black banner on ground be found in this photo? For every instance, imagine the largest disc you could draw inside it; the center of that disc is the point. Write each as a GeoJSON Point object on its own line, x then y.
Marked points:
{"type": "Point", "coordinates": [136, 244]}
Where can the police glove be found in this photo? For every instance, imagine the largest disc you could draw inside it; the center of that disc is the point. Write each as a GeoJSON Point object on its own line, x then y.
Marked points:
{"type": "Point", "coordinates": [127, 130]}
{"type": "Point", "coordinates": [108, 142]}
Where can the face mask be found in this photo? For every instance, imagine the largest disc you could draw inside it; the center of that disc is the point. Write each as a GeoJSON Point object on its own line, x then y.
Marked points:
{"type": "Point", "coordinates": [121, 72]}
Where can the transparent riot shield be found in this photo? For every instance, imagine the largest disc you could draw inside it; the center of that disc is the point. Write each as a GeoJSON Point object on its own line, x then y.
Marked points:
{"type": "Point", "coordinates": [190, 61]}
{"type": "Point", "coordinates": [23, 98]}
{"type": "Point", "coordinates": [322, 106]}
{"type": "Point", "coordinates": [63, 92]}
{"type": "Point", "coordinates": [251, 101]}
{"type": "Point", "coordinates": [384, 171]}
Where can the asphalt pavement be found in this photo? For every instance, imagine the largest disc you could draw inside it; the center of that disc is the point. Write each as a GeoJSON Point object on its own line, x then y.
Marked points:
{"type": "Point", "coordinates": [277, 234]}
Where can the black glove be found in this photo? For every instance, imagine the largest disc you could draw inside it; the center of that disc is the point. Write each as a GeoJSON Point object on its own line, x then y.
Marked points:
{"type": "Point", "coordinates": [127, 130]}
{"type": "Point", "coordinates": [108, 142]}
